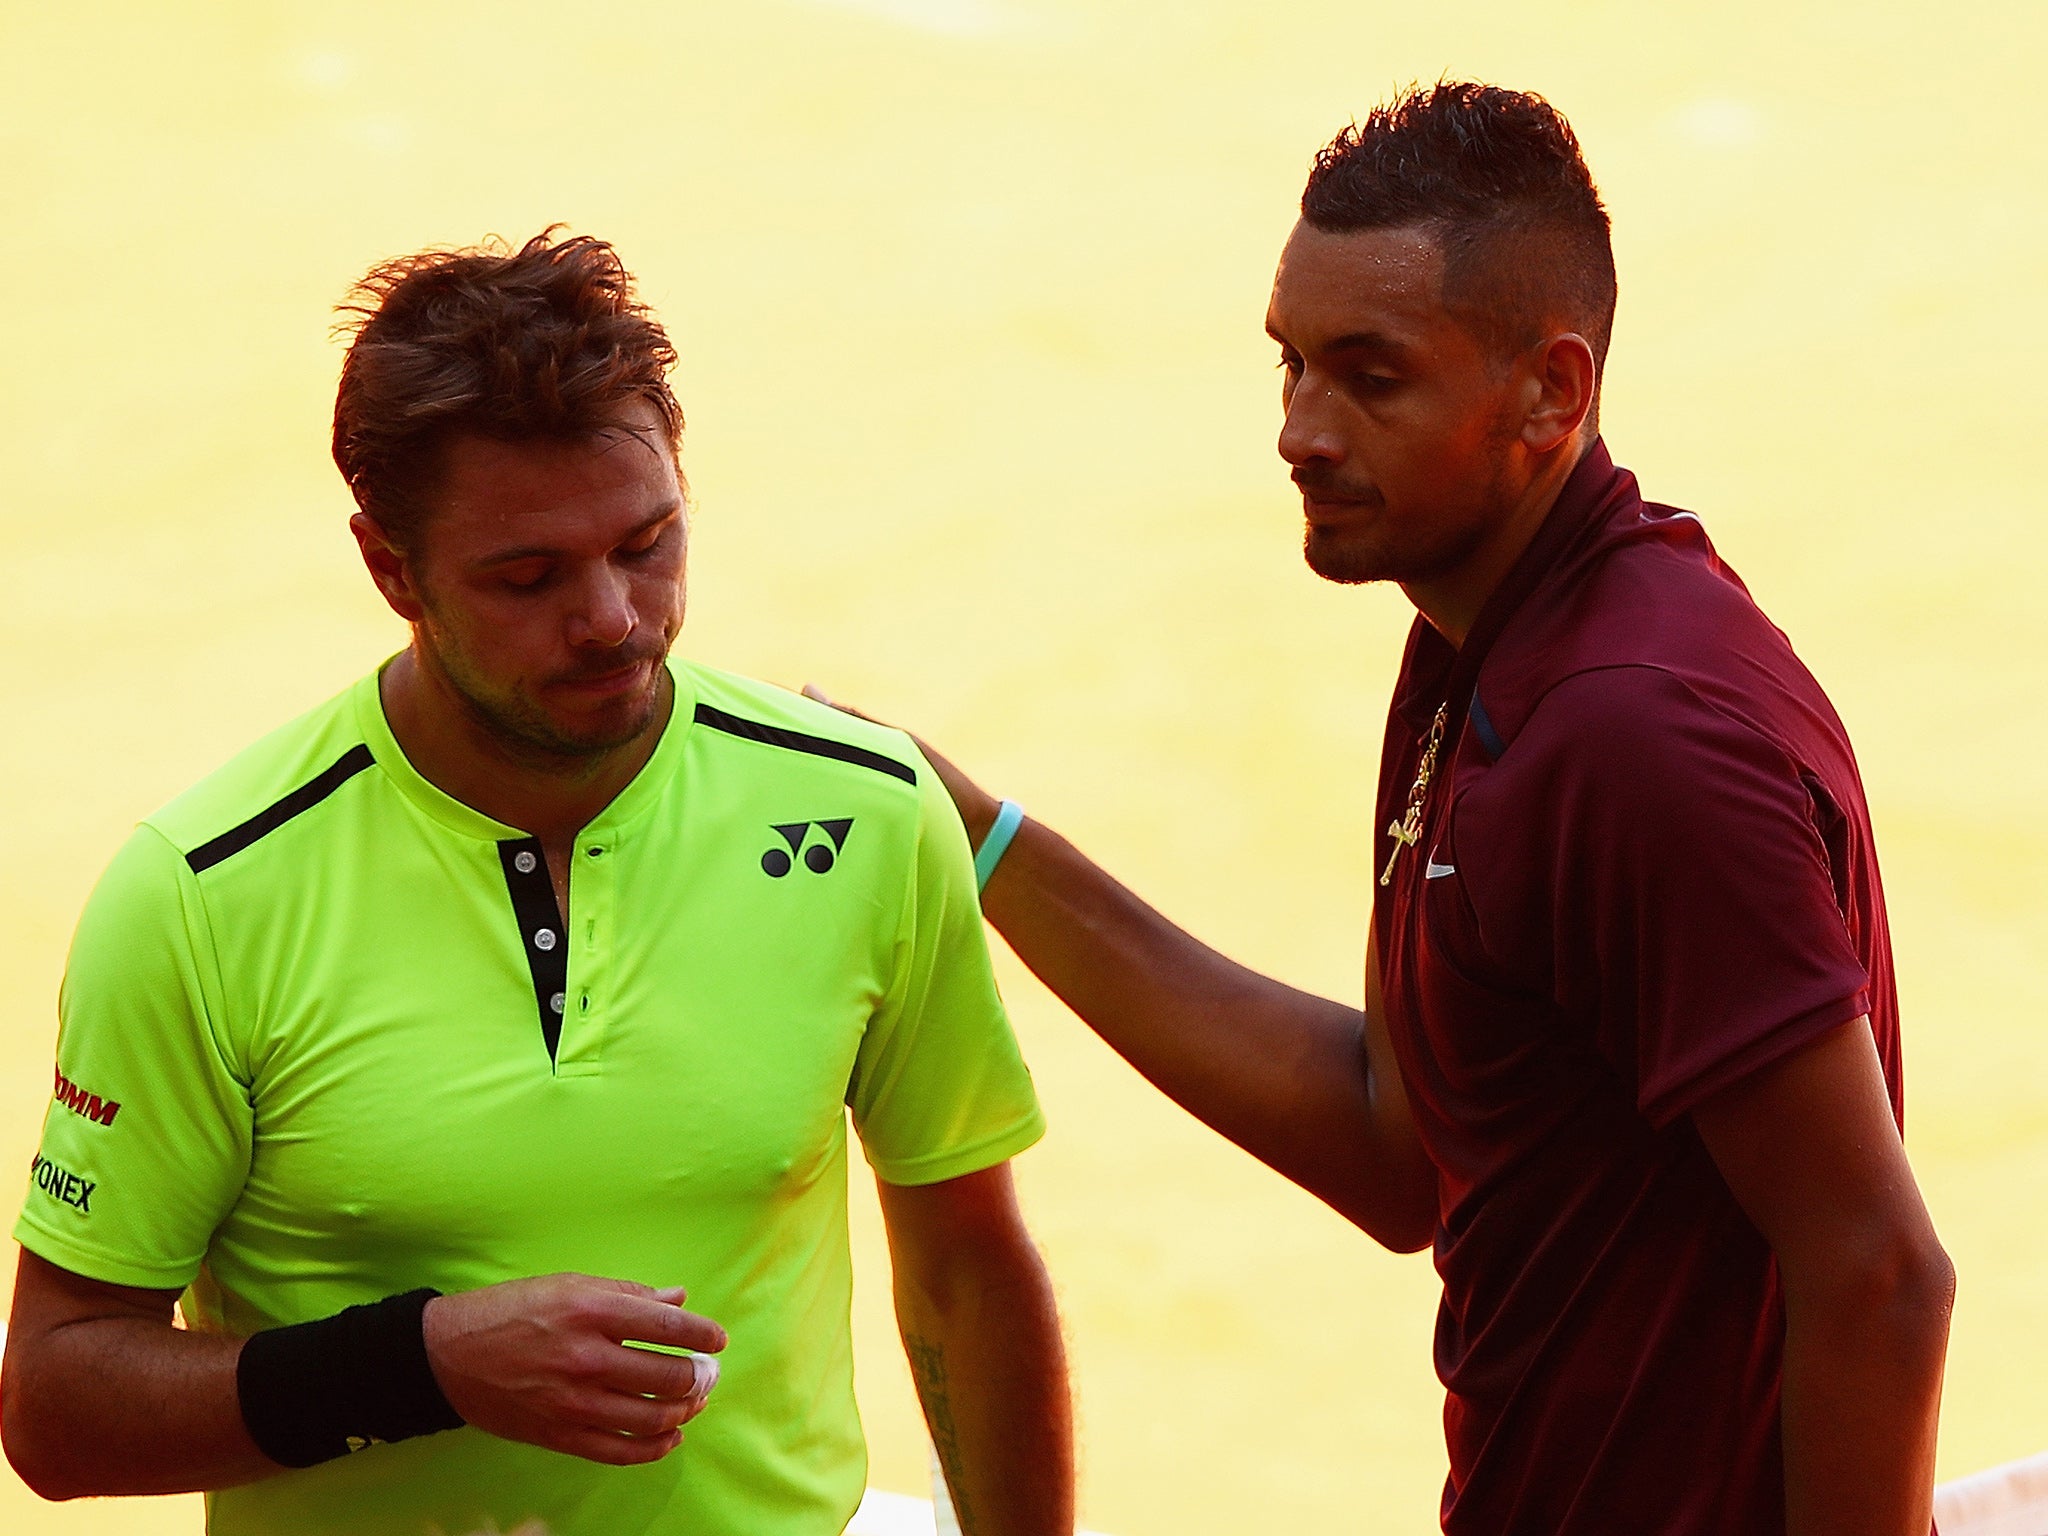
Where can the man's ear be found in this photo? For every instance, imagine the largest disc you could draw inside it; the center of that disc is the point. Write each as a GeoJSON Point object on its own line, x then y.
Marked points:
{"type": "Point", "coordinates": [388, 567]}
{"type": "Point", "coordinates": [1563, 382]}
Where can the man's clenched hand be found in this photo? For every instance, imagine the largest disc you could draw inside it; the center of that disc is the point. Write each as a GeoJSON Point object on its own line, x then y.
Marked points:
{"type": "Point", "coordinates": [547, 1361]}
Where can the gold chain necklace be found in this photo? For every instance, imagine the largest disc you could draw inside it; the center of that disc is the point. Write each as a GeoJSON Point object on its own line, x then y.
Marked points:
{"type": "Point", "coordinates": [1579, 503]}
{"type": "Point", "coordinates": [1407, 832]}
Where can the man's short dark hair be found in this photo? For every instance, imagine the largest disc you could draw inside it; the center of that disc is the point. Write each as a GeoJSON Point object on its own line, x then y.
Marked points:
{"type": "Point", "coordinates": [1498, 177]}
{"type": "Point", "coordinates": [546, 343]}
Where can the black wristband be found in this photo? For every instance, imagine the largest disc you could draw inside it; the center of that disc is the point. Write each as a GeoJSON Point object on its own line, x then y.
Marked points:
{"type": "Point", "coordinates": [315, 1391]}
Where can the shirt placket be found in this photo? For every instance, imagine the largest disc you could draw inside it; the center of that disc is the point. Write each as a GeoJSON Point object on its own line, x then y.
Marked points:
{"type": "Point", "coordinates": [541, 934]}
{"type": "Point", "coordinates": [592, 884]}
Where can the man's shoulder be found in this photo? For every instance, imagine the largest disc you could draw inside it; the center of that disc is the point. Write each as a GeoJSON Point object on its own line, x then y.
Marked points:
{"type": "Point", "coordinates": [304, 759]}
{"type": "Point", "coordinates": [1632, 712]}
{"type": "Point", "coordinates": [1654, 593]}
{"type": "Point", "coordinates": [1653, 630]}
{"type": "Point", "coordinates": [800, 736]}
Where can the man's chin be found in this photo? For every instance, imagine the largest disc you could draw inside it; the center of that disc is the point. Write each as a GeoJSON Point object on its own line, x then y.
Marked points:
{"type": "Point", "coordinates": [565, 738]}
{"type": "Point", "coordinates": [1343, 560]}
{"type": "Point", "coordinates": [1355, 560]}
{"type": "Point", "coordinates": [606, 727]}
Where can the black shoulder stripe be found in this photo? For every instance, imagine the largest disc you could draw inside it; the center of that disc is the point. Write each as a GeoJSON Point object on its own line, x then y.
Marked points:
{"type": "Point", "coordinates": [797, 741]}
{"type": "Point", "coordinates": [263, 823]}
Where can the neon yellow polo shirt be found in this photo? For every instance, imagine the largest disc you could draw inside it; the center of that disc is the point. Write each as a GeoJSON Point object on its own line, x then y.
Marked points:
{"type": "Point", "coordinates": [325, 1038]}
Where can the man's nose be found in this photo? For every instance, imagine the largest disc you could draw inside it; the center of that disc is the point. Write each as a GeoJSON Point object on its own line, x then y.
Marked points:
{"type": "Point", "coordinates": [1310, 432]}
{"type": "Point", "coordinates": [604, 616]}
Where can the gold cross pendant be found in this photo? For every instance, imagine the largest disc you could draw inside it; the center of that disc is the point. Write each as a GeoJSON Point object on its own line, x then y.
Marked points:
{"type": "Point", "coordinates": [1404, 836]}
{"type": "Point", "coordinates": [1407, 832]}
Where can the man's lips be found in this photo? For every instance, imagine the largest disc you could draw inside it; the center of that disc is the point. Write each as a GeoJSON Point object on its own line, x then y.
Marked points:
{"type": "Point", "coordinates": [621, 679]}
{"type": "Point", "coordinates": [1329, 506]}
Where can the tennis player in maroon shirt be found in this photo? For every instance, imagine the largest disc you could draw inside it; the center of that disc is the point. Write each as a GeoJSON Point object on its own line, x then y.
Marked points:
{"type": "Point", "coordinates": [1629, 1056]}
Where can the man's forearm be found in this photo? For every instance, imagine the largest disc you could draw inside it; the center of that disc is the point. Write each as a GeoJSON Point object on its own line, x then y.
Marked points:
{"type": "Point", "coordinates": [129, 1406]}
{"type": "Point", "coordinates": [1296, 1080]}
{"type": "Point", "coordinates": [104, 1396]}
{"type": "Point", "coordinates": [1862, 1398]}
{"type": "Point", "coordinates": [990, 1367]}
{"type": "Point", "coordinates": [1810, 1149]}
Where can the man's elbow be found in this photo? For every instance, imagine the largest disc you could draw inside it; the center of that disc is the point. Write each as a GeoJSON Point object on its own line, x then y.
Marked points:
{"type": "Point", "coordinates": [1933, 1284]}
{"type": "Point", "coordinates": [1395, 1228]}
{"type": "Point", "coordinates": [1405, 1233]}
{"type": "Point", "coordinates": [35, 1454]}
{"type": "Point", "coordinates": [1413, 1238]}
{"type": "Point", "coordinates": [1902, 1286]}
{"type": "Point", "coordinates": [1917, 1282]}
{"type": "Point", "coordinates": [1002, 1268]}
{"type": "Point", "coordinates": [1398, 1213]}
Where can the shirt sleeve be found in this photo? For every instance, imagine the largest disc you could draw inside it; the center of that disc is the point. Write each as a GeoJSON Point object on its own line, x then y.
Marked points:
{"type": "Point", "coordinates": [146, 1141]}
{"type": "Point", "coordinates": [1693, 917]}
{"type": "Point", "coordinates": [939, 1088]}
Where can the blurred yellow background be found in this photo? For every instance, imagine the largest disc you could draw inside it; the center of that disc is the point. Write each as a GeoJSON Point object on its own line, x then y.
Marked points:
{"type": "Point", "coordinates": [968, 295]}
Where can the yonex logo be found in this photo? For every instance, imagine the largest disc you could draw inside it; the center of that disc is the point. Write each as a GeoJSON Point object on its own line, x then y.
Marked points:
{"type": "Point", "coordinates": [74, 1098]}
{"type": "Point", "coordinates": [818, 858]}
{"type": "Point", "coordinates": [61, 1184]}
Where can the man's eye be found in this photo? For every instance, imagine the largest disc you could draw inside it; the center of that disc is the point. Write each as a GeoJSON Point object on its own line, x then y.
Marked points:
{"type": "Point", "coordinates": [646, 544]}
{"type": "Point", "coordinates": [524, 578]}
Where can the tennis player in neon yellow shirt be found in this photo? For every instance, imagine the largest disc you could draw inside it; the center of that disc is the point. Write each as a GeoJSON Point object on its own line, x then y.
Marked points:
{"type": "Point", "coordinates": [431, 1047]}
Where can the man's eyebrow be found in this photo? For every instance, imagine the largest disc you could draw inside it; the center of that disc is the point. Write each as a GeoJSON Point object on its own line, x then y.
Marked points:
{"type": "Point", "coordinates": [1352, 341]}
{"type": "Point", "coordinates": [1365, 341]}
{"type": "Point", "coordinates": [662, 514]}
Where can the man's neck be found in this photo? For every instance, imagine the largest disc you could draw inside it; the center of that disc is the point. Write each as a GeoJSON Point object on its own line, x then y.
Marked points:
{"type": "Point", "coordinates": [552, 798]}
{"type": "Point", "coordinates": [1453, 601]}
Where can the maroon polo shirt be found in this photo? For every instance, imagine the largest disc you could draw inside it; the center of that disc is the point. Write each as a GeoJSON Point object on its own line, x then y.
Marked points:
{"type": "Point", "coordinates": [1646, 872]}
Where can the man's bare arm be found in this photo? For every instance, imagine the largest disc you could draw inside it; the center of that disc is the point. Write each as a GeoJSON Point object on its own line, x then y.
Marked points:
{"type": "Point", "coordinates": [1810, 1150]}
{"type": "Point", "coordinates": [1306, 1085]}
{"type": "Point", "coordinates": [983, 1339]}
{"type": "Point", "coordinates": [100, 1394]}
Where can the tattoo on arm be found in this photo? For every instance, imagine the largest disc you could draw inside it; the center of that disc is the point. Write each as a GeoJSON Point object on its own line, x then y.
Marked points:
{"type": "Point", "coordinates": [928, 1369]}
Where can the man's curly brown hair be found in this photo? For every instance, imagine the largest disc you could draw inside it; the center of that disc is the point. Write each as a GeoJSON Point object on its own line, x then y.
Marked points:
{"type": "Point", "coordinates": [546, 343]}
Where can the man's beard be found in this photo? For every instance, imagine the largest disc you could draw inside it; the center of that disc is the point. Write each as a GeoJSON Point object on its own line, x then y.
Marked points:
{"type": "Point", "coordinates": [1334, 558]}
{"type": "Point", "coordinates": [526, 734]}
{"type": "Point", "coordinates": [1432, 549]}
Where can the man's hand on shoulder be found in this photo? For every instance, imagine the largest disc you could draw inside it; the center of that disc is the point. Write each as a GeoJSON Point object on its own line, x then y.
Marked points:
{"type": "Point", "coordinates": [551, 1361]}
{"type": "Point", "coordinates": [977, 807]}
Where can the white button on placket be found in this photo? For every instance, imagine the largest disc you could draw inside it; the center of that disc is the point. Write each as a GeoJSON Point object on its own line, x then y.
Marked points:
{"type": "Point", "coordinates": [545, 939]}
{"type": "Point", "coordinates": [525, 863]}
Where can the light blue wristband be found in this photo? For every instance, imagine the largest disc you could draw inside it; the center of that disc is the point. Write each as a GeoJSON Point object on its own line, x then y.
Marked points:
{"type": "Point", "coordinates": [1009, 817]}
